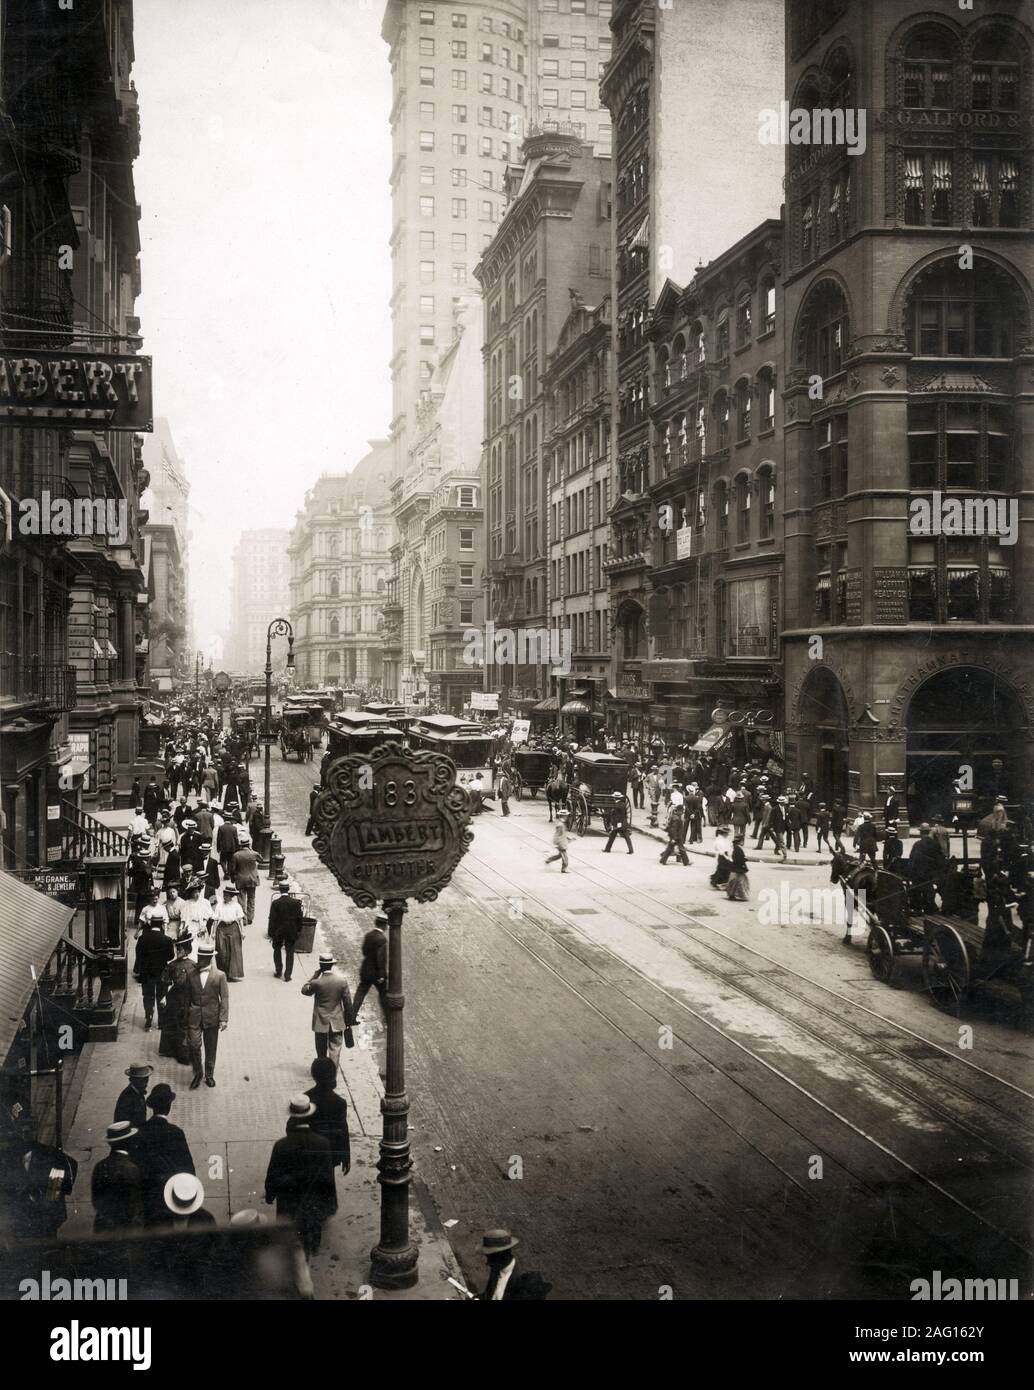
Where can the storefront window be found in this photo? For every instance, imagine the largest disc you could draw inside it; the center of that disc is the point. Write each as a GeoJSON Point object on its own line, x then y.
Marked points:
{"type": "Point", "coordinates": [752, 618]}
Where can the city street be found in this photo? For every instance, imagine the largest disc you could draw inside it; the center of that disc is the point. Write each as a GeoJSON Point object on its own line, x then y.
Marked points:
{"type": "Point", "coordinates": [658, 1091]}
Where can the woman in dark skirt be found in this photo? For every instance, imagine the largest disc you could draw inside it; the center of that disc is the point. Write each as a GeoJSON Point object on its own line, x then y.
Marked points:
{"type": "Point", "coordinates": [723, 849]}
{"type": "Point", "coordinates": [737, 889]}
{"type": "Point", "coordinates": [173, 871]}
{"type": "Point", "coordinates": [172, 1041]}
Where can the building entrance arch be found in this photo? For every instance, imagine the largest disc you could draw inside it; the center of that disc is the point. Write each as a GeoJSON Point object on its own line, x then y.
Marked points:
{"type": "Point", "coordinates": [823, 717]}
{"type": "Point", "coordinates": [962, 717]}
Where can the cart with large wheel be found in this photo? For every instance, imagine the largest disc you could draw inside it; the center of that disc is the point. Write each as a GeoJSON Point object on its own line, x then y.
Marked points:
{"type": "Point", "coordinates": [294, 736]}
{"type": "Point", "coordinates": [597, 776]}
{"type": "Point", "coordinates": [531, 771]}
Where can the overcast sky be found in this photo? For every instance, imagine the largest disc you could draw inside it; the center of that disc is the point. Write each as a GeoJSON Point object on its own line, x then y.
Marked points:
{"type": "Point", "coordinates": [263, 176]}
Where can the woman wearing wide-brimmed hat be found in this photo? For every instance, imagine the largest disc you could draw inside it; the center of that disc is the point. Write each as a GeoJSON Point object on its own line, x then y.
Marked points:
{"type": "Point", "coordinates": [229, 934]}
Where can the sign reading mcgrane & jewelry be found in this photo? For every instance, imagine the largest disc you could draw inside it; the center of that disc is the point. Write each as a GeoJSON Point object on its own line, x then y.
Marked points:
{"type": "Point", "coordinates": [391, 824]}
{"type": "Point", "coordinates": [98, 390]}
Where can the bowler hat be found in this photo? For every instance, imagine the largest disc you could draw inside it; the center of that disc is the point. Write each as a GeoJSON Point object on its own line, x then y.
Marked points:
{"type": "Point", "coordinates": [185, 939]}
{"type": "Point", "coordinates": [139, 1069]}
{"type": "Point", "coordinates": [160, 1094]}
{"type": "Point", "coordinates": [120, 1131]}
{"type": "Point", "coordinates": [183, 1194]}
{"type": "Point", "coordinates": [495, 1242]}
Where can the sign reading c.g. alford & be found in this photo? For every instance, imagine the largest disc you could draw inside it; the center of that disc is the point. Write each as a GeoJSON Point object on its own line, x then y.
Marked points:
{"type": "Point", "coordinates": [391, 824]}
{"type": "Point", "coordinates": [100, 391]}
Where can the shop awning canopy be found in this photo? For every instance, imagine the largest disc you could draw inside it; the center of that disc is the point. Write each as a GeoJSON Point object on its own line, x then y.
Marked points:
{"type": "Point", "coordinates": [575, 707]}
{"type": "Point", "coordinates": [713, 739]}
{"type": "Point", "coordinates": [551, 704]}
{"type": "Point", "coordinates": [31, 925]}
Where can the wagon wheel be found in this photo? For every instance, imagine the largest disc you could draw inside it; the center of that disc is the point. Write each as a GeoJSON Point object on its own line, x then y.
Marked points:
{"type": "Point", "coordinates": [518, 786]}
{"type": "Point", "coordinates": [578, 818]}
{"type": "Point", "coordinates": [946, 970]}
{"type": "Point", "coordinates": [880, 952]}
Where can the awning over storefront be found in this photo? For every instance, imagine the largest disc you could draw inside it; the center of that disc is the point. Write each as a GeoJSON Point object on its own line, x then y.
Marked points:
{"type": "Point", "coordinates": [713, 739]}
{"type": "Point", "coordinates": [575, 707]}
{"type": "Point", "coordinates": [549, 705]}
{"type": "Point", "coordinates": [31, 925]}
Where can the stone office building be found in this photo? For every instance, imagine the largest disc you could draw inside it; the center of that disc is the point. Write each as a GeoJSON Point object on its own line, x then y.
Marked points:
{"type": "Point", "coordinates": [908, 300]}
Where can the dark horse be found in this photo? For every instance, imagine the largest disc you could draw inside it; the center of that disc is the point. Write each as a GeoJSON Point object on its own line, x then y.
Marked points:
{"type": "Point", "coordinates": [556, 793]}
{"type": "Point", "coordinates": [864, 887]}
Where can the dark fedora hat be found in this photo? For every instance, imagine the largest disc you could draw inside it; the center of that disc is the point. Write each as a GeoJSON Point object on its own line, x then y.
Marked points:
{"type": "Point", "coordinates": [160, 1094]}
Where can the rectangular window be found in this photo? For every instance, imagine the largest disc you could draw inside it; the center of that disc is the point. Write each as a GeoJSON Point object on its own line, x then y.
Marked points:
{"type": "Point", "coordinates": [486, 52]}
{"type": "Point", "coordinates": [427, 17]}
{"type": "Point", "coordinates": [578, 41]}
{"type": "Point", "coordinates": [427, 333]}
{"type": "Point", "coordinates": [459, 21]}
{"type": "Point", "coordinates": [459, 48]}
{"type": "Point", "coordinates": [486, 82]}
{"type": "Point", "coordinates": [466, 538]}
{"type": "Point", "coordinates": [752, 619]}
{"type": "Point", "coordinates": [426, 272]}
{"type": "Point", "coordinates": [427, 207]}
{"type": "Point", "coordinates": [578, 70]}
{"type": "Point", "coordinates": [427, 110]}
{"type": "Point", "coordinates": [459, 116]}
{"type": "Point", "coordinates": [550, 96]}
{"type": "Point", "coordinates": [459, 207]}
{"type": "Point", "coordinates": [459, 143]}
{"type": "Point", "coordinates": [487, 211]}
{"type": "Point", "coordinates": [577, 6]}
{"type": "Point", "coordinates": [459, 178]}
{"type": "Point", "coordinates": [466, 576]}
{"type": "Point", "coordinates": [427, 77]}
{"type": "Point", "coordinates": [427, 141]}
{"type": "Point", "coordinates": [427, 304]}
{"type": "Point", "coordinates": [459, 275]}
{"type": "Point", "coordinates": [426, 47]}
{"type": "Point", "coordinates": [459, 79]}
{"type": "Point", "coordinates": [427, 175]}
{"type": "Point", "coordinates": [486, 116]}
{"type": "Point", "coordinates": [485, 147]}
{"type": "Point", "coordinates": [550, 67]}
{"type": "Point", "coordinates": [550, 41]}
{"type": "Point", "coordinates": [459, 241]}
{"type": "Point", "coordinates": [466, 497]}
{"type": "Point", "coordinates": [578, 100]}
{"type": "Point", "coordinates": [929, 189]}
{"type": "Point", "coordinates": [427, 241]}
{"type": "Point", "coordinates": [466, 610]}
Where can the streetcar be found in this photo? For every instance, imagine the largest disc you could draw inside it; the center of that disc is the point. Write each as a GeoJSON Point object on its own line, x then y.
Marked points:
{"type": "Point", "coordinates": [398, 714]}
{"type": "Point", "coordinates": [469, 747]}
{"type": "Point", "coordinates": [355, 731]}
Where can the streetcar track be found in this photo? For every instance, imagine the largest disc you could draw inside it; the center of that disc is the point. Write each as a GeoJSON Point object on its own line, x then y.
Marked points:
{"type": "Point", "coordinates": [947, 1053]}
{"type": "Point", "coordinates": [734, 1042]}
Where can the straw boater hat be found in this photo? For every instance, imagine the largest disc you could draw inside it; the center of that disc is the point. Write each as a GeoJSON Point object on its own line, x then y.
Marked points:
{"type": "Point", "coordinates": [300, 1107]}
{"type": "Point", "coordinates": [119, 1132]}
{"type": "Point", "coordinates": [495, 1242]}
{"type": "Point", "coordinates": [229, 891]}
{"type": "Point", "coordinates": [205, 951]}
{"type": "Point", "coordinates": [139, 1069]}
{"type": "Point", "coordinates": [183, 1194]}
{"type": "Point", "coordinates": [248, 1216]}
{"type": "Point", "coordinates": [327, 960]}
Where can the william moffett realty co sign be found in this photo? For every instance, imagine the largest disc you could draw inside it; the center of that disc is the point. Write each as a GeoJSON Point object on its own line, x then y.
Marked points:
{"type": "Point", "coordinates": [95, 390]}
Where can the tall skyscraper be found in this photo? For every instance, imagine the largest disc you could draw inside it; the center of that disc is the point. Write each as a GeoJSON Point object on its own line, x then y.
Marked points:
{"type": "Point", "coordinates": [260, 592]}
{"type": "Point", "coordinates": [469, 82]}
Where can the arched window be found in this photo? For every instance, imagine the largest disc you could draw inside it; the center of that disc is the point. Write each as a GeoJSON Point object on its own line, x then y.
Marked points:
{"type": "Point", "coordinates": [721, 514]}
{"type": "Point", "coordinates": [743, 321]}
{"type": "Point", "coordinates": [826, 330]}
{"type": "Point", "coordinates": [930, 56]}
{"type": "Point", "coordinates": [808, 97]}
{"type": "Point", "coordinates": [766, 398]}
{"type": "Point", "coordinates": [768, 304]}
{"type": "Point", "coordinates": [743, 409]}
{"type": "Point", "coordinates": [721, 419]}
{"type": "Point", "coordinates": [632, 634]}
{"type": "Point", "coordinates": [996, 71]}
{"type": "Point", "coordinates": [721, 335]}
{"type": "Point", "coordinates": [332, 545]}
{"type": "Point", "coordinates": [767, 492]}
{"type": "Point", "coordinates": [663, 367]}
{"type": "Point", "coordinates": [839, 76]}
{"type": "Point", "coordinates": [743, 496]}
{"type": "Point", "coordinates": [335, 587]}
{"type": "Point", "coordinates": [335, 627]}
{"type": "Point", "coordinates": [962, 313]}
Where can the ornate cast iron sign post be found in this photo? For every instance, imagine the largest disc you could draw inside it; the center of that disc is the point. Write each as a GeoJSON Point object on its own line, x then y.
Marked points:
{"type": "Point", "coordinates": [392, 825]}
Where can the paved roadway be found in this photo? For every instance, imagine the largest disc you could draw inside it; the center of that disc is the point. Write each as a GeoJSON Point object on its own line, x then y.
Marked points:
{"type": "Point", "coordinates": [658, 1090]}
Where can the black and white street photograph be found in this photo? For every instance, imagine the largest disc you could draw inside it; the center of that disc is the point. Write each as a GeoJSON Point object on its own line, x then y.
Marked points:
{"type": "Point", "coordinates": [450, 449]}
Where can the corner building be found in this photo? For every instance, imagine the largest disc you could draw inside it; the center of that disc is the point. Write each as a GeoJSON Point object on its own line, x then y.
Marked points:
{"type": "Point", "coordinates": [908, 297]}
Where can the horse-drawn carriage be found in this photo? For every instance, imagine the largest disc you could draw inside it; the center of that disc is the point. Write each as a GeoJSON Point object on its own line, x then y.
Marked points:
{"type": "Point", "coordinates": [301, 731]}
{"type": "Point", "coordinates": [958, 951]}
{"type": "Point", "coordinates": [597, 776]}
{"type": "Point", "coordinates": [531, 770]}
{"type": "Point", "coordinates": [244, 727]}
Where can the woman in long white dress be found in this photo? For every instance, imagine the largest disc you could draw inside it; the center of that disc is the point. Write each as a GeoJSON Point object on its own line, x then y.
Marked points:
{"type": "Point", "coordinates": [195, 917]}
{"type": "Point", "coordinates": [229, 934]}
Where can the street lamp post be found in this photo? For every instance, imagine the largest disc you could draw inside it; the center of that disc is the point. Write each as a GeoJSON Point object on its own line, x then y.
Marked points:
{"type": "Point", "coordinates": [279, 627]}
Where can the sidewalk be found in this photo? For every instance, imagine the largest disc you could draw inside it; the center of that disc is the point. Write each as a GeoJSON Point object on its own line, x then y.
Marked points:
{"type": "Point", "coordinates": [263, 1059]}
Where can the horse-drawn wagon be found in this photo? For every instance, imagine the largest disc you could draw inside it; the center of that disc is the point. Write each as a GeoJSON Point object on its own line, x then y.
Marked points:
{"type": "Point", "coordinates": [597, 776]}
{"type": "Point", "coordinates": [532, 769]}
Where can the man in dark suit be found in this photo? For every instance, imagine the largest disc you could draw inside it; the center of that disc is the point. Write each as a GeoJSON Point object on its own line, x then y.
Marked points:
{"type": "Point", "coordinates": [617, 822]}
{"type": "Point", "coordinates": [160, 1150]}
{"type": "Point", "coordinates": [115, 1185]}
{"type": "Point", "coordinates": [154, 950]}
{"type": "Point", "coordinates": [374, 967]}
{"type": "Point", "coordinates": [285, 922]}
{"type": "Point", "coordinates": [130, 1105]}
{"type": "Point", "coordinates": [300, 1176]}
{"type": "Point", "coordinates": [226, 846]}
{"type": "Point", "coordinates": [504, 1282]}
{"type": "Point", "coordinates": [331, 1117]}
{"type": "Point", "coordinates": [208, 1013]}
{"type": "Point", "coordinates": [331, 1008]}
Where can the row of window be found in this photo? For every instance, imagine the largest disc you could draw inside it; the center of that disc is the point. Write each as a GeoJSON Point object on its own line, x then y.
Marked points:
{"type": "Point", "coordinates": [935, 76]}
{"type": "Point", "coordinates": [487, 25]}
{"type": "Point", "coordinates": [934, 197]}
{"type": "Point", "coordinates": [949, 580]}
{"type": "Point", "coordinates": [458, 49]}
{"type": "Point", "coordinates": [581, 572]}
{"type": "Point", "coordinates": [458, 145]}
{"type": "Point", "coordinates": [458, 208]}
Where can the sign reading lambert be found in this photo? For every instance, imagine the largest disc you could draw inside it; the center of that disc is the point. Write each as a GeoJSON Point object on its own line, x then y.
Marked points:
{"type": "Point", "coordinates": [391, 824]}
{"type": "Point", "coordinates": [98, 390]}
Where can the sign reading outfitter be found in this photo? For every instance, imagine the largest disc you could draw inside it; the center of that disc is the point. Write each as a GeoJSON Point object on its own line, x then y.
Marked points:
{"type": "Point", "coordinates": [95, 390]}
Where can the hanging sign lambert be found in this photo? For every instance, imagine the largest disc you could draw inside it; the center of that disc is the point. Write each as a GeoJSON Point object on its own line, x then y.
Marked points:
{"type": "Point", "coordinates": [97, 390]}
{"type": "Point", "coordinates": [391, 824]}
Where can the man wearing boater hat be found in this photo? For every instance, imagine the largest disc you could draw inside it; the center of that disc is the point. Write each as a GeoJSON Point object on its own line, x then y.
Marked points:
{"type": "Point", "coordinates": [208, 1013]}
{"type": "Point", "coordinates": [331, 1008]}
{"type": "Point", "coordinates": [115, 1184]}
{"type": "Point", "coordinates": [504, 1283]}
